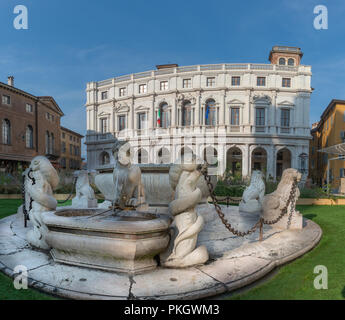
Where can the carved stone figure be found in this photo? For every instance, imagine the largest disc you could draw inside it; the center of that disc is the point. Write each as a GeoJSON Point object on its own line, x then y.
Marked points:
{"type": "Point", "coordinates": [183, 179]}
{"type": "Point", "coordinates": [253, 196]}
{"type": "Point", "coordinates": [85, 196]}
{"type": "Point", "coordinates": [129, 190]}
{"type": "Point", "coordinates": [40, 181]}
{"type": "Point", "coordinates": [275, 202]}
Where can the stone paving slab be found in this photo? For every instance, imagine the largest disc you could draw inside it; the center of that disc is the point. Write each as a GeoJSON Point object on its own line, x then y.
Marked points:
{"type": "Point", "coordinates": [234, 262]}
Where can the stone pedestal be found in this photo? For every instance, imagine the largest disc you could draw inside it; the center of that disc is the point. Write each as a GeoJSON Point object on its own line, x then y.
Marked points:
{"type": "Point", "coordinates": [295, 224]}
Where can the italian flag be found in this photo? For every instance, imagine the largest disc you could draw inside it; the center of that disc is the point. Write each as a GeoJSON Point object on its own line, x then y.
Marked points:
{"type": "Point", "coordinates": [159, 117]}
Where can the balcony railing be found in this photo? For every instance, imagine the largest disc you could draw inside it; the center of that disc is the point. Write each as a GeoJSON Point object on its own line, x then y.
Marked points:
{"type": "Point", "coordinates": [200, 68]}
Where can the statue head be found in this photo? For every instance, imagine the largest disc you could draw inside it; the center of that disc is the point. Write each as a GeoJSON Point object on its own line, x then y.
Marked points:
{"type": "Point", "coordinates": [44, 166]}
{"type": "Point", "coordinates": [122, 152]}
{"type": "Point", "coordinates": [290, 174]}
{"type": "Point", "coordinates": [256, 177]}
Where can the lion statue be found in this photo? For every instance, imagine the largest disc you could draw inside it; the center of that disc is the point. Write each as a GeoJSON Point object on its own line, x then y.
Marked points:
{"type": "Point", "coordinates": [85, 196]}
{"type": "Point", "coordinates": [40, 180]}
{"type": "Point", "coordinates": [183, 178]}
{"type": "Point", "coordinates": [275, 202]}
{"type": "Point", "coordinates": [129, 190]}
{"type": "Point", "coordinates": [254, 194]}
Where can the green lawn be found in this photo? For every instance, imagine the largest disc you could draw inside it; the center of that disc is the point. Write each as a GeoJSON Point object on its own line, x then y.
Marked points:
{"type": "Point", "coordinates": [296, 280]}
{"type": "Point", "coordinates": [293, 281]}
{"type": "Point", "coordinates": [7, 291]}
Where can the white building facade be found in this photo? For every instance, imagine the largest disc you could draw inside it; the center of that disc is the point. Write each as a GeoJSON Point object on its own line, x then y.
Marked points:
{"type": "Point", "coordinates": [249, 116]}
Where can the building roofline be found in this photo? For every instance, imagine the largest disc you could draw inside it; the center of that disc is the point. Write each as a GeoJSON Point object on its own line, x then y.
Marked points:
{"type": "Point", "coordinates": [31, 96]}
{"type": "Point", "coordinates": [71, 131]}
{"type": "Point", "coordinates": [328, 109]}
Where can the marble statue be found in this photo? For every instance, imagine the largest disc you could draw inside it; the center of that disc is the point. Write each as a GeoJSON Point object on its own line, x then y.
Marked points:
{"type": "Point", "coordinates": [274, 202]}
{"type": "Point", "coordinates": [254, 194]}
{"type": "Point", "coordinates": [183, 179]}
{"type": "Point", "coordinates": [40, 181]}
{"type": "Point", "coordinates": [129, 190]}
{"type": "Point", "coordinates": [85, 196]}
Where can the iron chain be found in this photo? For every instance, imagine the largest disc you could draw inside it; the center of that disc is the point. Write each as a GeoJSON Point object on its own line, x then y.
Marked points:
{"type": "Point", "coordinates": [259, 224]}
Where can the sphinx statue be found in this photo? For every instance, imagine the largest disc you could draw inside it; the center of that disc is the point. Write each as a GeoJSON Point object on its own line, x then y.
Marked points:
{"type": "Point", "coordinates": [183, 178]}
{"type": "Point", "coordinates": [40, 180]}
{"type": "Point", "coordinates": [253, 196]}
{"type": "Point", "coordinates": [285, 196]}
{"type": "Point", "coordinates": [85, 196]}
{"type": "Point", "coordinates": [129, 190]}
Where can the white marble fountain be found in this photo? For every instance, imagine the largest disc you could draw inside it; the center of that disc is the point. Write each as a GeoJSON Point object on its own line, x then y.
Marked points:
{"type": "Point", "coordinates": [154, 237]}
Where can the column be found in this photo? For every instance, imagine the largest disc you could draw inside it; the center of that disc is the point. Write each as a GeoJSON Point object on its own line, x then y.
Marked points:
{"type": "Point", "coordinates": [245, 161]}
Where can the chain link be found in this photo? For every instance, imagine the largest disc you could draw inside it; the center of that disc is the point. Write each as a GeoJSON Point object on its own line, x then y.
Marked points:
{"type": "Point", "coordinates": [262, 221]}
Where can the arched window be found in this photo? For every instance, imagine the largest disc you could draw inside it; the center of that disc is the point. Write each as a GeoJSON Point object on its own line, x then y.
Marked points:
{"type": "Point", "coordinates": [47, 142]}
{"type": "Point", "coordinates": [186, 113]}
{"type": "Point", "coordinates": [211, 156]}
{"type": "Point", "coordinates": [282, 61]}
{"type": "Point", "coordinates": [104, 158]}
{"type": "Point", "coordinates": [291, 62]}
{"type": "Point", "coordinates": [143, 156]}
{"type": "Point", "coordinates": [163, 116]}
{"type": "Point", "coordinates": [29, 137]}
{"type": "Point", "coordinates": [164, 156]}
{"type": "Point", "coordinates": [6, 131]}
{"type": "Point", "coordinates": [211, 113]}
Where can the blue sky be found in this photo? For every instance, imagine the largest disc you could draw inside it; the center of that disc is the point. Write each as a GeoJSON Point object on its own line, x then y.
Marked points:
{"type": "Point", "coordinates": [70, 43]}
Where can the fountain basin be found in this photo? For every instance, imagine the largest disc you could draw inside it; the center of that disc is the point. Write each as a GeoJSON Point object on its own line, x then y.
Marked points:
{"type": "Point", "coordinates": [125, 241]}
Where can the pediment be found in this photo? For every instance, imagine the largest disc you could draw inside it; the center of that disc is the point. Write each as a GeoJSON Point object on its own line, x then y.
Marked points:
{"type": "Point", "coordinates": [235, 101]}
{"type": "Point", "coordinates": [142, 108]}
{"type": "Point", "coordinates": [286, 103]}
{"type": "Point", "coordinates": [122, 108]}
{"type": "Point", "coordinates": [103, 114]}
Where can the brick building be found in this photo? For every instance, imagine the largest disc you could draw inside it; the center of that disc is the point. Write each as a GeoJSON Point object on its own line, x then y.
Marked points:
{"type": "Point", "coordinates": [30, 126]}
{"type": "Point", "coordinates": [70, 149]}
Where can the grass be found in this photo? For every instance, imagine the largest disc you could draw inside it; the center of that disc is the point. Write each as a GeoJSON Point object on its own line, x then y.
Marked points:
{"type": "Point", "coordinates": [293, 281]}
{"type": "Point", "coordinates": [7, 290]}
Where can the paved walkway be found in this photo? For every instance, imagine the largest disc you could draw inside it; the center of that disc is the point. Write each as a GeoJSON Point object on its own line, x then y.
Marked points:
{"type": "Point", "coordinates": [234, 262]}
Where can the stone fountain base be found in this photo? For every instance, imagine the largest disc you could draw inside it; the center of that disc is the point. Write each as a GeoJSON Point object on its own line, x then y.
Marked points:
{"type": "Point", "coordinates": [234, 262]}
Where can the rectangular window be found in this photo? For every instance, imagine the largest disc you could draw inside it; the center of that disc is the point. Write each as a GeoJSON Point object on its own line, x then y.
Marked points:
{"type": "Point", "coordinates": [260, 117]}
{"type": "Point", "coordinates": [70, 149]}
{"type": "Point", "coordinates": [104, 95]}
{"type": "Point", "coordinates": [142, 88]}
{"type": "Point", "coordinates": [235, 116]}
{"type": "Point", "coordinates": [235, 81]}
{"type": "Point", "coordinates": [122, 92]}
{"type": "Point", "coordinates": [104, 125]}
{"type": "Point", "coordinates": [342, 135]}
{"type": "Point", "coordinates": [261, 81]}
{"type": "Point", "coordinates": [341, 173]}
{"type": "Point", "coordinates": [48, 116]}
{"type": "Point", "coordinates": [285, 118]}
{"type": "Point", "coordinates": [187, 83]}
{"type": "Point", "coordinates": [210, 81]}
{"type": "Point", "coordinates": [6, 99]}
{"type": "Point", "coordinates": [63, 135]}
{"type": "Point", "coordinates": [141, 120]}
{"type": "Point", "coordinates": [122, 122]}
{"type": "Point", "coordinates": [344, 115]}
{"type": "Point", "coordinates": [164, 85]}
{"type": "Point", "coordinates": [63, 147]}
{"type": "Point", "coordinates": [286, 83]}
{"type": "Point", "coordinates": [28, 107]}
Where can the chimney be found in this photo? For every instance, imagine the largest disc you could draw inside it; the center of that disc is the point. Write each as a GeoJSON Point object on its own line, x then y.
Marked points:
{"type": "Point", "coordinates": [10, 81]}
